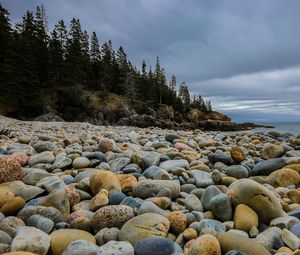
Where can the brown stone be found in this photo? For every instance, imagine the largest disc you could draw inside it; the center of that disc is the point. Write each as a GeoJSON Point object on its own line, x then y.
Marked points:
{"type": "Point", "coordinates": [283, 178]}
{"type": "Point", "coordinates": [245, 218]}
{"type": "Point", "coordinates": [189, 234]}
{"type": "Point", "coordinates": [13, 206]}
{"type": "Point", "coordinates": [127, 181]}
{"type": "Point", "coordinates": [205, 245]}
{"type": "Point", "coordinates": [10, 169]}
{"type": "Point", "coordinates": [103, 179]}
{"type": "Point", "coordinates": [178, 222]}
{"type": "Point", "coordinates": [237, 154]}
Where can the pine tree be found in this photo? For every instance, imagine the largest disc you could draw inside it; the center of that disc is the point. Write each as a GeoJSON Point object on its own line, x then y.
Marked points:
{"type": "Point", "coordinates": [184, 95]}
{"type": "Point", "coordinates": [123, 69]}
{"type": "Point", "coordinates": [95, 57]}
{"type": "Point", "coordinates": [173, 83]}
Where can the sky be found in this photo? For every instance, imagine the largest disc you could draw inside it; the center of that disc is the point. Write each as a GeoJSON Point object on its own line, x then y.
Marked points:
{"type": "Point", "coordinates": [242, 55]}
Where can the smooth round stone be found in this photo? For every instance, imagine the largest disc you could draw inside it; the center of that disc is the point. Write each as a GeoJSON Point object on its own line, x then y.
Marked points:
{"type": "Point", "coordinates": [5, 238]}
{"type": "Point", "coordinates": [35, 175]}
{"type": "Point", "coordinates": [19, 253]}
{"type": "Point", "coordinates": [103, 179]}
{"type": "Point", "coordinates": [171, 137]}
{"type": "Point", "coordinates": [268, 166]}
{"type": "Point", "coordinates": [62, 162]}
{"type": "Point", "coordinates": [213, 224]}
{"type": "Point", "coordinates": [62, 225]}
{"type": "Point", "coordinates": [147, 188]}
{"type": "Point", "coordinates": [171, 164]}
{"type": "Point", "coordinates": [116, 198]}
{"type": "Point", "coordinates": [116, 248]}
{"type": "Point", "coordinates": [271, 238]}
{"type": "Point", "coordinates": [24, 139]}
{"type": "Point", "coordinates": [284, 222]}
{"type": "Point", "coordinates": [202, 179]}
{"type": "Point", "coordinates": [219, 157]}
{"type": "Point", "coordinates": [44, 146]}
{"type": "Point", "coordinates": [51, 183]}
{"type": "Point", "coordinates": [40, 222]}
{"type": "Point", "coordinates": [111, 234]}
{"type": "Point", "coordinates": [272, 150]}
{"type": "Point", "coordinates": [13, 206]}
{"type": "Point", "coordinates": [119, 163]}
{"type": "Point", "coordinates": [157, 173]}
{"type": "Point", "coordinates": [291, 240]}
{"type": "Point", "coordinates": [178, 222]}
{"type": "Point", "coordinates": [208, 194]}
{"type": "Point", "coordinates": [245, 218]}
{"type": "Point", "coordinates": [193, 203]}
{"type": "Point", "coordinates": [144, 226]}
{"type": "Point", "coordinates": [155, 246]}
{"type": "Point", "coordinates": [43, 157]}
{"type": "Point", "coordinates": [232, 241]}
{"type": "Point", "coordinates": [10, 225]}
{"type": "Point", "coordinates": [48, 212]}
{"type": "Point", "coordinates": [205, 245]}
{"type": "Point", "coordinates": [220, 205]}
{"type": "Point", "coordinates": [101, 199]}
{"type": "Point", "coordinates": [81, 162]}
{"type": "Point", "coordinates": [296, 230]}
{"type": "Point", "coordinates": [32, 240]}
{"type": "Point", "coordinates": [283, 178]}
{"type": "Point", "coordinates": [145, 159]}
{"type": "Point", "coordinates": [188, 187]}
{"type": "Point", "coordinates": [189, 234]}
{"type": "Point", "coordinates": [237, 154]}
{"type": "Point", "coordinates": [132, 202]}
{"type": "Point", "coordinates": [10, 170]}
{"type": "Point", "coordinates": [80, 247]}
{"type": "Point", "coordinates": [257, 197]}
{"type": "Point", "coordinates": [61, 239]}
{"type": "Point", "coordinates": [112, 216]}
{"type": "Point", "coordinates": [237, 171]}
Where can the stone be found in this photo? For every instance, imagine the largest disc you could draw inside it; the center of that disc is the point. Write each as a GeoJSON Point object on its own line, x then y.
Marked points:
{"type": "Point", "coordinates": [114, 247]}
{"type": "Point", "coordinates": [144, 226]}
{"type": "Point", "coordinates": [57, 199]}
{"type": "Point", "coordinates": [10, 170]}
{"type": "Point", "coordinates": [61, 239]}
{"type": "Point", "coordinates": [5, 196]}
{"type": "Point", "coordinates": [43, 157]}
{"type": "Point", "coordinates": [149, 207]}
{"type": "Point", "coordinates": [268, 166]}
{"type": "Point", "coordinates": [284, 222]}
{"type": "Point", "coordinates": [72, 194]}
{"type": "Point", "coordinates": [212, 224]}
{"type": "Point", "coordinates": [294, 195]}
{"type": "Point", "coordinates": [51, 183]}
{"type": "Point", "coordinates": [205, 245]}
{"type": "Point", "coordinates": [189, 234]}
{"type": "Point", "coordinates": [80, 247]}
{"type": "Point", "coordinates": [145, 189]}
{"type": "Point", "coordinates": [171, 137]}
{"type": "Point", "coordinates": [24, 139]}
{"type": "Point", "coordinates": [202, 178]}
{"type": "Point", "coordinates": [81, 162]}
{"type": "Point", "coordinates": [145, 159]}
{"type": "Point", "coordinates": [219, 157]}
{"type": "Point", "coordinates": [19, 157]}
{"type": "Point", "coordinates": [208, 194]}
{"type": "Point", "coordinates": [5, 238]}
{"type": "Point", "coordinates": [220, 205]}
{"type": "Point", "coordinates": [20, 253]}
{"type": "Point", "coordinates": [13, 206]}
{"type": "Point", "coordinates": [42, 146]}
{"type": "Point", "coordinates": [193, 203]}
{"type": "Point", "coordinates": [283, 178]}
{"type": "Point", "coordinates": [48, 212]}
{"type": "Point", "coordinates": [232, 241]}
{"type": "Point", "coordinates": [111, 234]}
{"type": "Point", "coordinates": [270, 238]}
{"type": "Point", "coordinates": [127, 182]}
{"type": "Point", "coordinates": [155, 246]}
{"type": "Point", "coordinates": [32, 240]}
{"type": "Point", "coordinates": [257, 197]}
{"type": "Point", "coordinates": [112, 216]}
{"type": "Point", "coordinates": [171, 164]}
{"type": "Point", "coordinates": [119, 163]}
{"type": "Point", "coordinates": [106, 145]}
{"type": "Point", "coordinates": [272, 150]}
{"type": "Point", "coordinates": [116, 198]}
{"type": "Point", "coordinates": [157, 173]}
{"type": "Point", "coordinates": [291, 240]}
{"type": "Point", "coordinates": [62, 162]}
{"type": "Point", "coordinates": [295, 229]}
{"type": "Point", "coordinates": [237, 154]}
{"type": "Point", "coordinates": [40, 222]}
{"type": "Point", "coordinates": [103, 179]}
{"type": "Point", "coordinates": [237, 171]}
{"type": "Point", "coordinates": [10, 225]}
{"type": "Point", "coordinates": [245, 218]}
{"type": "Point", "coordinates": [101, 199]}
{"type": "Point", "coordinates": [178, 222]}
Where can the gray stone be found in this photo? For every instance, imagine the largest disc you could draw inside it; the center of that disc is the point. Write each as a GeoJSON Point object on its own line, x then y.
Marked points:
{"type": "Point", "coordinates": [43, 157]}
{"type": "Point", "coordinates": [220, 205]}
{"type": "Point", "coordinates": [193, 203]}
{"type": "Point", "coordinates": [268, 166]}
{"type": "Point", "coordinates": [81, 162]}
{"type": "Point", "coordinates": [80, 247]}
{"type": "Point", "coordinates": [203, 179]}
{"type": "Point", "coordinates": [170, 164]}
{"type": "Point", "coordinates": [40, 222]}
{"type": "Point", "coordinates": [237, 171]}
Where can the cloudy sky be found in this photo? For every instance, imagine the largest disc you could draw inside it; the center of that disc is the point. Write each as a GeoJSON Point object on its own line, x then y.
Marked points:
{"type": "Point", "coordinates": [243, 55]}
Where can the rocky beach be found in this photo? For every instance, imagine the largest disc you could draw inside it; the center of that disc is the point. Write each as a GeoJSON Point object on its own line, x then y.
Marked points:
{"type": "Point", "coordinates": [73, 188]}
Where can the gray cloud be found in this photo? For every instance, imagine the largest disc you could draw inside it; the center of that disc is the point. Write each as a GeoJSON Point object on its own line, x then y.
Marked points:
{"type": "Point", "coordinates": [244, 55]}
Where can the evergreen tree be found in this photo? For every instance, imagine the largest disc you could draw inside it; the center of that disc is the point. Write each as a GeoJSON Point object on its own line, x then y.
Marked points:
{"type": "Point", "coordinates": [185, 95]}
{"type": "Point", "coordinates": [173, 83]}
{"type": "Point", "coordinates": [121, 60]}
{"type": "Point", "coordinates": [95, 57]}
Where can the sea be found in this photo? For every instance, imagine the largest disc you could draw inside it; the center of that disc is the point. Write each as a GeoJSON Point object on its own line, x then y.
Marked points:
{"type": "Point", "coordinates": [283, 127]}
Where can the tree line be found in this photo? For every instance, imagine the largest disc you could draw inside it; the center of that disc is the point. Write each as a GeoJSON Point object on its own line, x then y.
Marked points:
{"type": "Point", "coordinates": [32, 58]}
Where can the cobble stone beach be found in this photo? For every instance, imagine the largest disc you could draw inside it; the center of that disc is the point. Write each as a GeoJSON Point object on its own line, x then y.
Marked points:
{"type": "Point", "coordinates": [75, 188]}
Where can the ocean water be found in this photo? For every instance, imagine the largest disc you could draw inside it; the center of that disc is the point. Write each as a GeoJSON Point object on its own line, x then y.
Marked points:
{"type": "Point", "coordinates": [283, 127]}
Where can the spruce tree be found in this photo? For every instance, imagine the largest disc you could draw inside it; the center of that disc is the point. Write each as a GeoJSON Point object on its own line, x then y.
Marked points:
{"type": "Point", "coordinates": [95, 57]}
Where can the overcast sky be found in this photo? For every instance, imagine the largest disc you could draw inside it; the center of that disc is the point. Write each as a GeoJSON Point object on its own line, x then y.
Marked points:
{"type": "Point", "coordinates": [243, 55]}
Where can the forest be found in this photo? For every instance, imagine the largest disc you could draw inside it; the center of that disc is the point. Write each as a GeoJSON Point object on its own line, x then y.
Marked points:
{"type": "Point", "coordinates": [35, 59]}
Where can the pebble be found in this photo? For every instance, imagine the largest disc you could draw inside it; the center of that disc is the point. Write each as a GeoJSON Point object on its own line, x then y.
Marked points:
{"type": "Point", "coordinates": [83, 189]}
